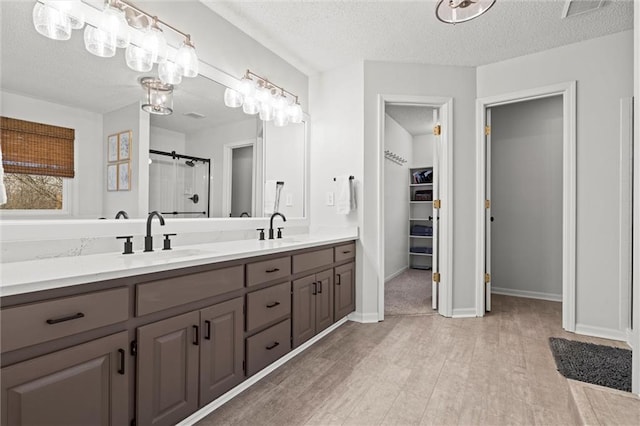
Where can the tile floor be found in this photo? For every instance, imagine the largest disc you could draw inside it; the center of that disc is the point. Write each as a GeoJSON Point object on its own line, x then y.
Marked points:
{"type": "Point", "coordinates": [420, 369]}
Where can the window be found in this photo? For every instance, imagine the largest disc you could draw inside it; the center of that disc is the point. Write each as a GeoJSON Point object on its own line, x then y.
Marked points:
{"type": "Point", "coordinates": [36, 159]}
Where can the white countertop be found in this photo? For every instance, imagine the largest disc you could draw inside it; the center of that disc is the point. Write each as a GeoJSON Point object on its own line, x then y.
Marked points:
{"type": "Point", "coordinates": [46, 274]}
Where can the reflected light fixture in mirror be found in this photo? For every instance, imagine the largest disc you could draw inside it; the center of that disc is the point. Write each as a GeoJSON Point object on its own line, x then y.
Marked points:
{"type": "Point", "coordinates": [51, 22]}
{"type": "Point", "coordinates": [257, 94]}
{"type": "Point", "coordinates": [158, 96]}
{"type": "Point", "coordinates": [457, 11]}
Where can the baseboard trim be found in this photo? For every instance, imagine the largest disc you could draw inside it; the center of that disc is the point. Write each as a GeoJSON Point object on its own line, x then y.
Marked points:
{"type": "Point", "coordinates": [464, 313]}
{"type": "Point", "coordinates": [602, 332]}
{"type": "Point", "coordinates": [363, 317]}
{"type": "Point", "coordinates": [527, 294]}
{"type": "Point", "coordinates": [395, 274]}
{"type": "Point", "coordinates": [212, 406]}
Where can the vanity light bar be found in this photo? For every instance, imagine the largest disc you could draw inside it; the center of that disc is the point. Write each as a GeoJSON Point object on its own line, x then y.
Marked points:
{"type": "Point", "coordinates": [269, 85]}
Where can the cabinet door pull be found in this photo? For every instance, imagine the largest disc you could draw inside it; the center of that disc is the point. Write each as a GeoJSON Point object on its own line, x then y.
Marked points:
{"type": "Point", "coordinates": [273, 305]}
{"type": "Point", "coordinates": [319, 287]}
{"type": "Point", "coordinates": [337, 279]}
{"type": "Point", "coordinates": [268, 271]}
{"type": "Point", "coordinates": [196, 335]}
{"type": "Point", "coordinates": [315, 289]}
{"type": "Point", "coordinates": [207, 330]}
{"type": "Point", "coordinates": [121, 368]}
{"type": "Point", "coordinates": [67, 318]}
{"type": "Point", "coordinates": [273, 345]}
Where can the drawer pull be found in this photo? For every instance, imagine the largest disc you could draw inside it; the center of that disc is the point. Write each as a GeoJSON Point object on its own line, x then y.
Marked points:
{"type": "Point", "coordinates": [207, 330]}
{"type": "Point", "coordinates": [272, 346]}
{"type": "Point", "coordinates": [346, 251]}
{"type": "Point", "coordinates": [67, 318]}
{"type": "Point", "coordinates": [196, 335]}
{"type": "Point", "coordinates": [268, 271]}
{"type": "Point", "coordinates": [121, 368]}
{"type": "Point", "coordinates": [273, 305]}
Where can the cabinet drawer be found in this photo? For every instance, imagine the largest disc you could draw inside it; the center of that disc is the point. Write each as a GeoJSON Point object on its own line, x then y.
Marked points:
{"type": "Point", "coordinates": [311, 260]}
{"type": "Point", "coordinates": [344, 252]}
{"type": "Point", "coordinates": [267, 346]}
{"type": "Point", "coordinates": [162, 294]}
{"type": "Point", "coordinates": [52, 319]}
{"type": "Point", "coordinates": [269, 304]}
{"type": "Point", "coordinates": [268, 270]}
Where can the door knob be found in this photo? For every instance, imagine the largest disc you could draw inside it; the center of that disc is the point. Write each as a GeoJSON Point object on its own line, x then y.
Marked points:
{"type": "Point", "coordinates": [491, 218]}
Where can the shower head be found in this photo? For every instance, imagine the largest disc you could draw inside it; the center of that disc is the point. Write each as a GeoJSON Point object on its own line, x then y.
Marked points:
{"type": "Point", "coordinates": [189, 163]}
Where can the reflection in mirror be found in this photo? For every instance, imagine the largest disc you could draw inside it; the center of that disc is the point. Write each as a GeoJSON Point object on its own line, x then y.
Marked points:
{"type": "Point", "coordinates": [59, 83]}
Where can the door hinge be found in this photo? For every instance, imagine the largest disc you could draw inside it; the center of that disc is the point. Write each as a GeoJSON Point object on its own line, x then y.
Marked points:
{"type": "Point", "coordinates": [436, 277]}
{"type": "Point", "coordinates": [487, 204]}
{"type": "Point", "coordinates": [487, 130]}
{"type": "Point", "coordinates": [134, 348]}
{"type": "Point", "coordinates": [436, 204]}
{"type": "Point", "coordinates": [487, 278]}
{"type": "Point", "coordinates": [437, 130]}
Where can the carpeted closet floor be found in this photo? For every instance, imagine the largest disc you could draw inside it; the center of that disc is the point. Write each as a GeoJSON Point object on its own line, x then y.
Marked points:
{"type": "Point", "coordinates": [408, 294]}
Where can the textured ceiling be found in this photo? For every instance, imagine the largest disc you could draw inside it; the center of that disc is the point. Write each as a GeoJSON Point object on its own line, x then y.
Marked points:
{"type": "Point", "coordinates": [321, 35]}
{"type": "Point", "coordinates": [417, 120]}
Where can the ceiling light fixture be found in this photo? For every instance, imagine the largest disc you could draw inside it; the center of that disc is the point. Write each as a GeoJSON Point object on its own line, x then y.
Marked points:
{"type": "Point", "coordinates": [256, 94]}
{"type": "Point", "coordinates": [456, 11]}
{"type": "Point", "coordinates": [120, 25]}
{"type": "Point", "coordinates": [158, 96]}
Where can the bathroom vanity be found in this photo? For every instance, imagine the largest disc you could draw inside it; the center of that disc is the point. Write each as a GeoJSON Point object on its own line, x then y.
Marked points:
{"type": "Point", "coordinates": [156, 341]}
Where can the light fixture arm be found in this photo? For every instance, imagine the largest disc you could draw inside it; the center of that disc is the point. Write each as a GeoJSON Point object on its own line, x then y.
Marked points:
{"type": "Point", "coordinates": [269, 85]}
{"type": "Point", "coordinates": [125, 4]}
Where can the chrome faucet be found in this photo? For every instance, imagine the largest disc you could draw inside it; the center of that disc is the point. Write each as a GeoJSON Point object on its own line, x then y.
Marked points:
{"type": "Point", "coordinates": [148, 239]}
{"type": "Point", "coordinates": [123, 214]}
{"type": "Point", "coordinates": [271, 225]}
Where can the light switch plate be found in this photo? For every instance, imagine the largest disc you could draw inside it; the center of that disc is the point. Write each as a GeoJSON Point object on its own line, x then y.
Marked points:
{"type": "Point", "coordinates": [289, 201]}
{"type": "Point", "coordinates": [329, 198]}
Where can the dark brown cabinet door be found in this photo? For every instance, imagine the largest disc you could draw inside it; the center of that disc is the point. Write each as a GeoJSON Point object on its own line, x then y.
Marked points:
{"type": "Point", "coordinates": [168, 353]}
{"type": "Point", "coordinates": [84, 385]}
{"type": "Point", "coordinates": [304, 309]}
{"type": "Point", "coordinates": [222, 351]}
{"type": "Point", "coordinates": [345, 291]}
{"type": "Point", "coordinates": [324, 300]}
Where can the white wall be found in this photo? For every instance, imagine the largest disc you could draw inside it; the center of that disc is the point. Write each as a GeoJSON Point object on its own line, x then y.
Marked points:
{"type": "Point", "coordinates": [167, 140]}
{"type": "Point", "coordinates": [425, 80]}
{"type": "Point", "coordinates": [636, 203]}
{"type": "Point", "coordinates": [89, 180]}
{"type": "Point", "coordinates": [603, 68]}
{"type": "Point", "coordinates": [526, 198]}
{"type": "Point", "coordinates": [423, 150]}
{"type": "Point", "coordinates": [135, 201]}
{"type": "Point", "coordinates": [396, 198]}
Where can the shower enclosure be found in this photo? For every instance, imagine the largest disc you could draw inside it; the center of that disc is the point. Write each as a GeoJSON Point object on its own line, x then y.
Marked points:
{"type": "Point", "coordinates": [179, 184]}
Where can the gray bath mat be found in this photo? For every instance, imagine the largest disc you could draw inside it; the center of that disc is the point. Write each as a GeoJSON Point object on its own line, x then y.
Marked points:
{"type": "Point", "coordinates": [596, 364]}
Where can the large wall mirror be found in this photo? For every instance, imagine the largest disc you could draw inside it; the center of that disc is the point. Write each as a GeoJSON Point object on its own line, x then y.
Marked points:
{"type": "Point", "coordinates": [203, 160]}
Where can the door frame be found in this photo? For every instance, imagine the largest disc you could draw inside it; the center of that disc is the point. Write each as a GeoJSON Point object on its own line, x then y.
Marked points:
{"type": "Point", "coordinates": [445, 105]}
{"type": "Point", "coordinates": [568, 92]}
{"type": "Point", "coordinates": [227, 167]}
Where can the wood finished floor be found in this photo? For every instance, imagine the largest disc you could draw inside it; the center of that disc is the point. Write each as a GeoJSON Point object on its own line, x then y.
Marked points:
{"type": "Point", "coordinates": [420, 369]}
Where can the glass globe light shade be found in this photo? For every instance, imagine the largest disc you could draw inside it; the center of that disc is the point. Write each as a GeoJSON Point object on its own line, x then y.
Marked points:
{"type": "Point", "coordinates": [187, 58]}
{"type": "Point", "coordinates": [263, 95]}
{"type": "Point", "coordinates": [232, 98]}
{"type": "Point", "coordinates": [282, 118]}
{"type": "Point", "coordinates": [114, 22]}
{"type": "Point", "coordinates": [170, 72]}
{"type": "Point", "coordinates": [154, 41]}
{"type": "Point", "coordinates": [247, 87]}
{"type": "Point", "coordinates": [138, 59]}
{"type": "Point", "coordinates": [280, 103]}
{"type": "Point", "coordinates": [71, 8]}
{"type": "Point", "coordinates": [158, 97]}
{"type": "Point", "coordinates": [99, 42]}
{"type": "Point", "coordinates": [51, 23]}
{"type": "Point", "coordinates": [266, 111]}
{"type": "Point", "coordinates": [250, 105]}
{"type": "Point", "coordinates": [295, 113]}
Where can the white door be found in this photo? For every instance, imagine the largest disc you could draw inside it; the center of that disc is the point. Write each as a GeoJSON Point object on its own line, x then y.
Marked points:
{"type": "Point", "coordinates": [435, 266]}
{"type": "Point", "coordinates": [487, 216]}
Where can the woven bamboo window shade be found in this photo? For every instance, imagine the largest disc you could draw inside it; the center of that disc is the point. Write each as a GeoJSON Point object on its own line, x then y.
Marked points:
{"type": "Point", "coordinates": [35, 148]}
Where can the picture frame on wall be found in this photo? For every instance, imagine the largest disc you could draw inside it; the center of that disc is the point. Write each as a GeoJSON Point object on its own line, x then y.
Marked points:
{"type": "Point", "coordinates": [124, 145]}
{"type": "Point", "coordinates": [112, 177]}
{"type": "Point", "coordinates": [112, 148]}
{"type": "Point", "coordinates": [124, 176]}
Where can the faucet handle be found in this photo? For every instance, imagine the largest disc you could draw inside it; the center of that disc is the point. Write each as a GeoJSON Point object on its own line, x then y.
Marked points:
{"type": "Point", "coordinates": [280, 232]}
{"type": "Point", "coordinates": [128, 245]}
{"type": "Point", "coordinates": [261, 233]}
{"type": "Point", "coordinates": [167, 241]}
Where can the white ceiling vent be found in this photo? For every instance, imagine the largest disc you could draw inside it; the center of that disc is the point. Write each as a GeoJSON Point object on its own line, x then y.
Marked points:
{"type": "Point", "coordinates": [195, 115]}
{"type": "Point", "coordinates": [578, 7]}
